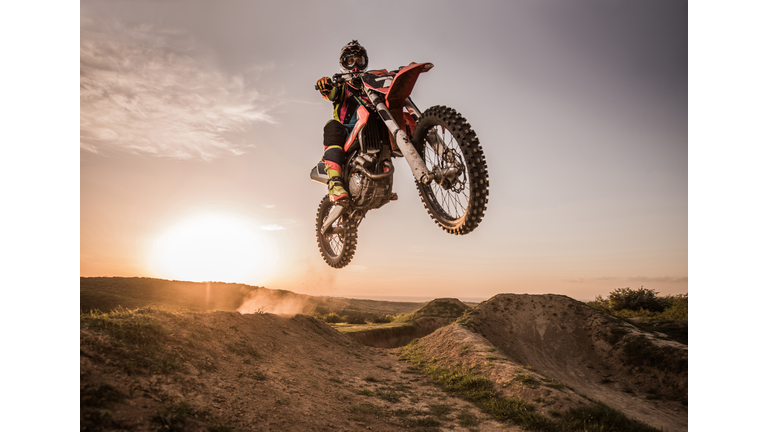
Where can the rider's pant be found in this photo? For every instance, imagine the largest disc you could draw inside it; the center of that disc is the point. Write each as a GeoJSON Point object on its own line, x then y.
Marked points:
{"type": "Point", "coordinates": [334, 136]}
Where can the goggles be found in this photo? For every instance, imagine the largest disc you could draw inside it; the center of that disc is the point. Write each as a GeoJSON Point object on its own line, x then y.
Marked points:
{"type": "Point", "coordinates": [355, 59]}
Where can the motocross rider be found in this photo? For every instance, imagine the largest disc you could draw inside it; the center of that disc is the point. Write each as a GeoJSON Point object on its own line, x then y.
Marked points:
{"type": "Point", "coordinates": [346, 99]}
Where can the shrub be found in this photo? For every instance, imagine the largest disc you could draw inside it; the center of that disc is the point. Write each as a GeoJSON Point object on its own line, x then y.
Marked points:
{"type": "Point", "coordinates": [641, 298]}
{"type": "Point", "coordinates": [333, 318]}
{"type": "Point", "coordinates": [677, 309]}
{"type": "Point", "coordinates": [643, 303]}
{"type": "Point", "coordinates": [354, 319]}
{"type": "Point", "coordinates": [380, 319]}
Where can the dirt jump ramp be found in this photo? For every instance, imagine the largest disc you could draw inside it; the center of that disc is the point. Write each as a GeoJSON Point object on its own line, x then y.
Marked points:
{"type": "Point", "coordinates": [590, 355]}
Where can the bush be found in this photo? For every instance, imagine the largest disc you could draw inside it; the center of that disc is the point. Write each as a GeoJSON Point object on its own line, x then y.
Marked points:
{"type": "Point", "coordinates": [677, 309]}
{"type": "Point", "coordinates": [380, 319]}
{"type": "Point", "coordinates": [635, 300]}
{"type": "Point", "coordinates": [354, 319]}
{"type": "Point", "coordinates": [643, 302]}
{"type": "Point", "coordinates": [331, 318]}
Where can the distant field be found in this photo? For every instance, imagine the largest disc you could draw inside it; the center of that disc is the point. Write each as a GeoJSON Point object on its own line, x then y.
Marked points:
{"type": "Point", "coordinates": [108, 293]}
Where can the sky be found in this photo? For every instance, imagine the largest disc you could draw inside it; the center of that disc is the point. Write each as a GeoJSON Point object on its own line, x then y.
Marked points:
{"type": "Point", "coordinates": [199, 124]}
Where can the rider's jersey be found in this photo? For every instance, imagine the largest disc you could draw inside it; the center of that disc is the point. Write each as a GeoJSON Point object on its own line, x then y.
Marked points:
{"type": "Point", "coordinates": [345, 100]}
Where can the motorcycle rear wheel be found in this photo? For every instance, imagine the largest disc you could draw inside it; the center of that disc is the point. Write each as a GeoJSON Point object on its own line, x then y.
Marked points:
{"type": "Point", "coordinates": [338, 244]}
{"type": "Point", "coordinates": [457, 205]}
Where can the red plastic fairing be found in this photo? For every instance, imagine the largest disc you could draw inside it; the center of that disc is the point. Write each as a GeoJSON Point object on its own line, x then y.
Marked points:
{"type": "Point", "coordinates": [401, 88]}
{"type": "Point", "coordinates": [379, 72]}
{"type": "Point", "coordinates": [362, 119]}
{"type": "Point", "coordinates": [378, 83]}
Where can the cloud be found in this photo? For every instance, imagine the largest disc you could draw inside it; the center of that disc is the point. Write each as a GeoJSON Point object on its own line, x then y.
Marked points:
{"type": "Point", "coordinates": [150, 91]}
{"type": "Point", "coordinates": [635, 279]}
{"type": "Point", "coordinates": [661, 279]}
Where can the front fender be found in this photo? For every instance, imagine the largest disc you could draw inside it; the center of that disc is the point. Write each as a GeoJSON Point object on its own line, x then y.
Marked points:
{"type": "Point", "coordinates": [401, 87]}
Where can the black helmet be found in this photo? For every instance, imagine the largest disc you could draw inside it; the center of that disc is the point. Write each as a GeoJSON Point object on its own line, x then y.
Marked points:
{"type": "Point", "coordinates": [353, 58]}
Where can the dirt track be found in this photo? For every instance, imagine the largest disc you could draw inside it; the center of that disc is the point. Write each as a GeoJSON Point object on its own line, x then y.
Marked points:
{"type": "Point", "coordinates": [265, 372]}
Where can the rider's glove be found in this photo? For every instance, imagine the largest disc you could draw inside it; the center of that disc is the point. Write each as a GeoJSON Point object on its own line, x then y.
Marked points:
{"type": "Point", "coordinates": [325, 85]}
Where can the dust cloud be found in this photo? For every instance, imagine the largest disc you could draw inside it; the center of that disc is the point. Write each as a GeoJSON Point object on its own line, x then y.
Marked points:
{"type": "Point", "coordinates": [275, 302]}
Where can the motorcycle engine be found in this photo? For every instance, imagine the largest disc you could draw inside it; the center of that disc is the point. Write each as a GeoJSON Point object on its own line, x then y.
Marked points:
{"type": "Point", "coordinates": [360, 188]}
{"type": "Point", "coordinates": [363, 191]}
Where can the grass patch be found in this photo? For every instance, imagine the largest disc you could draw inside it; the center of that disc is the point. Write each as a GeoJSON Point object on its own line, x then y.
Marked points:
{"type": "Point", "coordinates": [600, 418]}
{"type": "Point", "coordinates": [137, 339]}
{"type": "Point", "coordinates": [467, 419]}
{"type": "Point", "coordinates": [527, 380]}
{"type": "Point", "coordinates": [439, 410]}
{"type": "Point", "coordinates": [555, 384]}
{"type": "Point", "coordinates": [640, 351]}
{"type": "Point", "coordinates": [480, 390]}
{"type": "Point", "coordinates": [389, 395]}
{"type": "Point", "coordinates": [477, 389]}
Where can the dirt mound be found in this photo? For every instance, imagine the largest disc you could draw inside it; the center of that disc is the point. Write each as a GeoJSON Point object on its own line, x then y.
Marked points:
{"type": "Point", "coordinates": [151, 369]}
{"type": "Point", "coordinates": [459, 347]}
{"type": "Point", "coordinates": [554, 339]}
{"type": "Point", "coordinates": [435, 314]}
{"type": "Point", "coordinates": [442, 308]}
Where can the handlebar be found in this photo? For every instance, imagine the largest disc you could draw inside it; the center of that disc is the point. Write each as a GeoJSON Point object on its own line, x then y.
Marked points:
{"type": "Point", "coordinates": [337, 79]}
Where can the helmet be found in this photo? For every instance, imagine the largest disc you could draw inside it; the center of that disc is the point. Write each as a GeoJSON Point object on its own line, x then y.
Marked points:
{"type": "Point", "coordinates": [353, 58]}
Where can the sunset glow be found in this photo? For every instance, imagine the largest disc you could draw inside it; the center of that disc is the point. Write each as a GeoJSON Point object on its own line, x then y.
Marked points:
{"type": "Point", "coordinates": [198, 132]}
{"type": "Point", "coordinates": [210, 247]}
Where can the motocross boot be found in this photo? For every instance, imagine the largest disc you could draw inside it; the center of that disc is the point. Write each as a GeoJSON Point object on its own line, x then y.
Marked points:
{"type": "Point", "coordinates": [336, 189]}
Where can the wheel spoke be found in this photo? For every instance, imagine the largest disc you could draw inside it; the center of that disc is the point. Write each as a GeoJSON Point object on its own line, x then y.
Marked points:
{"type": "Point", "coordinates": [453, 203]}
{"type": "Point", "coordinates": [335, 237]}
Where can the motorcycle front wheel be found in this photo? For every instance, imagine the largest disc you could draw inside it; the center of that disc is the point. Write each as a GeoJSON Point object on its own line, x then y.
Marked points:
{"type": "Point", "coordinates": [338, 244]}
{"type": "Point", "coordinates": [447, 143]}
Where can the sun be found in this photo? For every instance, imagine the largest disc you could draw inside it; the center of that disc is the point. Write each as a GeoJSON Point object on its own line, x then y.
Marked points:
{"type": "Point", "coordinates": [212, 247]}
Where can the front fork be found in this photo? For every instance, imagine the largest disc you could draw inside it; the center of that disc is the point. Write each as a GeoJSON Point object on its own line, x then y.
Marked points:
{"type": "Point", "coordinates": [442, 175]}
{"type": "Point", "coordinates": [410, 154]}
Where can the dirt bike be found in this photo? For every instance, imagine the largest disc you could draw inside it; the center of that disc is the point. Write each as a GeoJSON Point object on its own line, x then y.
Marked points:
{"type": "Point", "coordinates": [439, 145]}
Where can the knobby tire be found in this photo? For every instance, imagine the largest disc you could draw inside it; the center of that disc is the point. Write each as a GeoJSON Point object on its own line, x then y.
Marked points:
{"type": "Point", "coordinates": [460, 208]}
{"type": "Point", "coordinates": [337, 249]}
